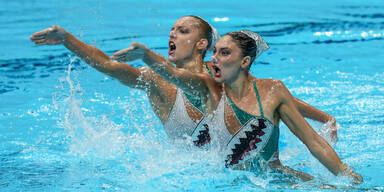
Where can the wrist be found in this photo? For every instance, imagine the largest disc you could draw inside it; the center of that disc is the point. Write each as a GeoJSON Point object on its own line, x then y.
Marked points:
{"type": "Point", "coordinates": [66, 36]}
{"type": "Point", "coordinates": [345, 170]}
{"type": "Point", "coordinates": [147, 56]}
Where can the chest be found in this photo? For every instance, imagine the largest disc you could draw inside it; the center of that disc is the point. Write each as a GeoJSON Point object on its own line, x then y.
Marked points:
{"type": "Point", "coordinates": [237, 113]}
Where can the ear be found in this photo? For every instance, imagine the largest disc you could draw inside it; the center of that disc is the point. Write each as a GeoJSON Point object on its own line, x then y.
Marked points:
{"type": "Point", "coordinates": [202, 44]}
{"type": "Point", "coordinates": [246, 62]}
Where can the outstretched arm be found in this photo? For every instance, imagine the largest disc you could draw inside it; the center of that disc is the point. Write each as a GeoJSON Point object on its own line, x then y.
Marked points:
{"type": "Point", "coordinates": [188, 81]}
{"type": "Point", "coordinates": [126, 74]}
{"type": "Point", "coordinates": [315, 143]}
{"type": "Point", "coordinates": [313, 113]}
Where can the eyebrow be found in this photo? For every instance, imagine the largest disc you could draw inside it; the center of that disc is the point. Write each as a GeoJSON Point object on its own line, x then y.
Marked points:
{"type": "Point", "coordinates": [178, 27]}
{"type": "Point", "coordinates": [224, 49]}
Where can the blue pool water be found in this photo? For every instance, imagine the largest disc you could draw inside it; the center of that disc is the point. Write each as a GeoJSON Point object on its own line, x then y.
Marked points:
{"type": "Point", "coordinates": [66, 127]}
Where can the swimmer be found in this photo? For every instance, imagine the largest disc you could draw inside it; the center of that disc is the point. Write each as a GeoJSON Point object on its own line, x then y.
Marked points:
{"type": "Point", "coordinates": [246, 120]}
{"type": "Point", "coordinates": [179, 112]}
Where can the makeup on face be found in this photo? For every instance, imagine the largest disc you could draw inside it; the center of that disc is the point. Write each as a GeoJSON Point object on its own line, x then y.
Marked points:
{"type": "Point", "coordinates": [226, 59]}
{"type": "Point", "coordinates": [221, 53]}
{"type": "Point", "coordinates": [181, 39]}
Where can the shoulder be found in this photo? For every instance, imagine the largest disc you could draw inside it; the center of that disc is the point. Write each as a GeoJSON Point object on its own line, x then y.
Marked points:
{"type": "Point", "coordinates": [152, 79]}
{"type": "Point", "coordinates": [148, 74]}
{"type": "Point", "coordinates": [271, 84]}
{"type": "Point", "coordinates": [274, 88]}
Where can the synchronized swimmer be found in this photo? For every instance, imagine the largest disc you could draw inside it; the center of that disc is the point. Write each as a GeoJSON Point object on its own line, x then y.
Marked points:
{"type": "Point", "coordinates": [235, 106]}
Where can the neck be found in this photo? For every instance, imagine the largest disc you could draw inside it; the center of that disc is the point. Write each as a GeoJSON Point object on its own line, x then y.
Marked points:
{"type": "Point", "coordinates": [195, 64]}
{"type": "Point", "coordinates": [240, 86]}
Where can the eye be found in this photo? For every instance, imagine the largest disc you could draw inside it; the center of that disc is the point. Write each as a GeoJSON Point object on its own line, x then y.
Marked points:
{"type": "Point", "coordinates": [214, 50]}
{"type": "Point", "coordinates": [184, 31]}
{"type": "Point", "coordinates": [225, 52]}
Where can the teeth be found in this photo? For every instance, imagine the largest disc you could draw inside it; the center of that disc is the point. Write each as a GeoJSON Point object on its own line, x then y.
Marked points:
{"type": "Point", "coordinates": [216, 69]}
{"type": "Point", "coordinates": [172, 45]}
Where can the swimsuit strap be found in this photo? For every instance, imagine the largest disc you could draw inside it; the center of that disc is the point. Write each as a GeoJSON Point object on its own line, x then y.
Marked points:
{"type": "Point", "coordinates": [209, 71]}
{"type": "Point", "coordinates": [195, 101]}
{"type": "Point", "coordinates": [258, 98]}
{"type": "Point", "coordinates": [241, 115]}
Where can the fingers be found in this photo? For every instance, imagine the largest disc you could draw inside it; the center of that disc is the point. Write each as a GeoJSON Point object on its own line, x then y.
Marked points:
{"type": "Point", "coordinates": [43, 32]}
{"type": "Point", "coordinates": [138, 45]}
{"type": "Point", "coordinates": [42, 42]}
{"type": "Point", "coordinates": [39, 35]}
{"type": "Point", "coordinates": [127, 56]}
{"type": "Point", "coordinates": [45, 42]}
{"type": "Point", "coordinates": [119, 58]}
{"type": "Point", "coordinates": [35, 38]}
{"type": "Point", "coordinates": [123, 53]}
{"type": "Point", "coordinates": [39, 41]}
{"type": "Point", "coordinates": [135, 51]}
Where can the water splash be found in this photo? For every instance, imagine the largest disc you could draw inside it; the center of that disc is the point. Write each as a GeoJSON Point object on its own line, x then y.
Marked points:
{"type": "Point", "coordinates": [88, 135]}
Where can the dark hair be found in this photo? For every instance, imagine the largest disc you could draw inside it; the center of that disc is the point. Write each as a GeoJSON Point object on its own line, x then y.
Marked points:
{"type": "Point", "coordinates": [246, 44]}
{"type": "Point", "coordinates": [205, 31]}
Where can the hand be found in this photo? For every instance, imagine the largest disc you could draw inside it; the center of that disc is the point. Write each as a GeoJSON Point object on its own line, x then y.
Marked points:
{"type": "Point", "coordinates": [333, 133]}
{"type": "Point", "coordinates": [51, 36]}
{"type": "Point", "coordinates": [134, 52]}
{"type": "Point", "coordinates": [329, 131]}
{"type": "Point", "coordinates": [357, 178]}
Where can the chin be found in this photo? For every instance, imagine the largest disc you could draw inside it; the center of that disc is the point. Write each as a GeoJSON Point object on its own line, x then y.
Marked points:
{"type": "Point", "coordinates": [219, 80]}
{"type": "Point", "coordinates": [172, 58]}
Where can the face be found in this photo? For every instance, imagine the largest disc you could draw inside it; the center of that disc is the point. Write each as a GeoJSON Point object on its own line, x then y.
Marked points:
{"type": "Point", "coordinates": [226, 60]}
{"type": "Point", "coordinates": [182, 39]}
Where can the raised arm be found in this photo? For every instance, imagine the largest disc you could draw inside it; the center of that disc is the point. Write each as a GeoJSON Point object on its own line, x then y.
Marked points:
{"type": "Point", "coordinates": [315, 143]}
{"type": "Point", "coordinates": [313, 113]}
{"type": "Point", "coordinates": [125, 73]}
{"type": "Point", "coordinates": [194, 83]}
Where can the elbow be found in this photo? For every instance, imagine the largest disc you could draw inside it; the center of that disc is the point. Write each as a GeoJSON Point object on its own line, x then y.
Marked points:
{"type": "Point", "coordinates": [110, 68]}
{"type": "Point", "coordinates": [315, 148]}
{"type": "Point", "coordinates": [98, 57]}
{"type": "Point", "coordinates": [316, 145]}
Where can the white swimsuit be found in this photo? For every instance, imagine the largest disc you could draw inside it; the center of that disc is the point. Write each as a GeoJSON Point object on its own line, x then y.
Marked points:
{"type": "Point", "coordinates": [180, 124]}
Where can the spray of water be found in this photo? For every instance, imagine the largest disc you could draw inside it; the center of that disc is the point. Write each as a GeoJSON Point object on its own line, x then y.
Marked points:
{"type": "Point", "coordinates": [148, 158]}
{"type": "Point", "coordinates": [96, 136]}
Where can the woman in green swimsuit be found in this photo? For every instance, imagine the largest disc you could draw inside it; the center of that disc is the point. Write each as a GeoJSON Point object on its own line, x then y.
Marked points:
{"type": "Point", "coordinates": [247, 110]}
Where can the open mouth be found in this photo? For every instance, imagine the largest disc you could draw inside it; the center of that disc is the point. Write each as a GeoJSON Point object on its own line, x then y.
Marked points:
{"type": "Point", "coordinates": [171, 48]}
{"type": "Point", "coordinates": [216, 71]}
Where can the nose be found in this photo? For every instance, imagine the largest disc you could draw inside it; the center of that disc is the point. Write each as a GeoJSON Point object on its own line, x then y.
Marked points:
{"type": "Point", "coordinates": [214, 60]}
{"type": "Point", "coordinates": [172, 34]}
